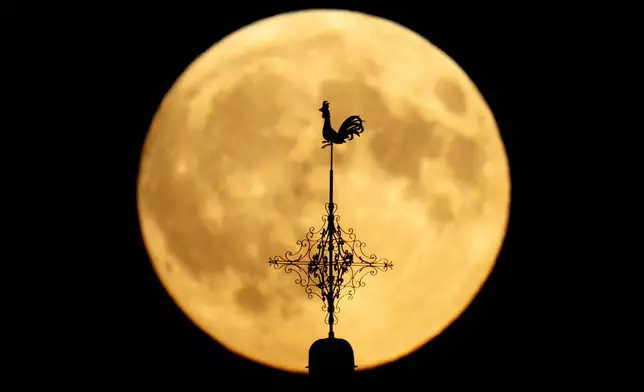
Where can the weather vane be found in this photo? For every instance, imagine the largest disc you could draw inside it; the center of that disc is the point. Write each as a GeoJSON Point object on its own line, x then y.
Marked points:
{"type": "Point", "coordinates": [330, 262]}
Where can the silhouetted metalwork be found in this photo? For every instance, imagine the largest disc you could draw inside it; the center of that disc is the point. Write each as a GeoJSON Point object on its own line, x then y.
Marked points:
{"type": "Point", "coordinates": [343, 276]}
{"type": "Point", "coordinates": [331, 262]}
{"type": "Point", "coordinates": [350, 127]}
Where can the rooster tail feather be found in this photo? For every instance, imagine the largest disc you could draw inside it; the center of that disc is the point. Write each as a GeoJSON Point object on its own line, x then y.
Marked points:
{"type": "Point", "coordinates": [350, 127]}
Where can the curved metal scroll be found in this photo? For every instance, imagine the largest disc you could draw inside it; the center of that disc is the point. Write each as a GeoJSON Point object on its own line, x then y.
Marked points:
{"type": "Point", "coordinates": [311, 262]}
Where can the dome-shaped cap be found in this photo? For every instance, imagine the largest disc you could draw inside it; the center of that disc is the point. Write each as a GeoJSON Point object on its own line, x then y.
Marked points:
{"type": "Point", "coordinates": [331, 354]}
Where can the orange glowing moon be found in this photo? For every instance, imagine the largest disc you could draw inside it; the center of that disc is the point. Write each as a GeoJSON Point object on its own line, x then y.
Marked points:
{"type": "Point", "coordinates": [232, 173]}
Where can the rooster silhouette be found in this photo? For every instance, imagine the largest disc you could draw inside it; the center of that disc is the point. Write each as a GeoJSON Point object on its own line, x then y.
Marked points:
{"type": "Point", "coordinates": [351, 126]}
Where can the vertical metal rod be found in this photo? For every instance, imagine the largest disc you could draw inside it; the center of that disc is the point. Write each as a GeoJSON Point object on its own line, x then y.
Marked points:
{"type": "Point", "coordinates": [331, 232]}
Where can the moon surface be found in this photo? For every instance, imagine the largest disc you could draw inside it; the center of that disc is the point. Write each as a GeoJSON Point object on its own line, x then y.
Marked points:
{"type": "Point", "coordinates": [232, 173]}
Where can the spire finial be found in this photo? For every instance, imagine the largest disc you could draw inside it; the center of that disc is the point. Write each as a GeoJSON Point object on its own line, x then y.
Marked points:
{"type": "Point", "coordinates": [330, 262]}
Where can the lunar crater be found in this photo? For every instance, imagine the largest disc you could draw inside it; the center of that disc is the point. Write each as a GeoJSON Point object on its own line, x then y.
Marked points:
{"type": "Point", "coordinates": [414, 136]}
{"type": "Point", "coordinates": [441, 209]}
{"type": "Point", "coordinates": [466, 158]}
{"type": "Point", "coordinates": [451, 96]}
{"type": "Point", "coordinates": [251, 299]}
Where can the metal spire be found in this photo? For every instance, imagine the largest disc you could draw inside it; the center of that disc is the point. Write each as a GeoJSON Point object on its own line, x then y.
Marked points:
{"type": "Point", "coordinates": [339, 272]}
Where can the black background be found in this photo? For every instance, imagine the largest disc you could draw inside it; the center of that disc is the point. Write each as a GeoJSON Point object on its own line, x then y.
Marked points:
{"type": "Point", "coordinates": [550, 82]}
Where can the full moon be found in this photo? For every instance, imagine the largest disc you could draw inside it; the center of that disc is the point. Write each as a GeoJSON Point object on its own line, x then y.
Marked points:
{"type": "Point", "coordinates": [232, 173]}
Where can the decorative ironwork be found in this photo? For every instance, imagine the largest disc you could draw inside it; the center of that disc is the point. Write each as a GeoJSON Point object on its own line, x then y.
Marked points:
{"type": "Point", "coordinates": [330, 263]}
{"type": "Point", "coordinates": [349, 267]}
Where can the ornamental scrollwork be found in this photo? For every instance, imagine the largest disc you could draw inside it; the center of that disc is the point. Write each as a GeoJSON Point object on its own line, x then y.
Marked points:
{"type": "Point", "coordinates": [347, 270]}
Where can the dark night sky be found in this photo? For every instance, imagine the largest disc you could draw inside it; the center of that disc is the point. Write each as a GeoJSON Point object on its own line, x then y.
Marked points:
{"type": "Point", "coordinates": [524, 326]}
